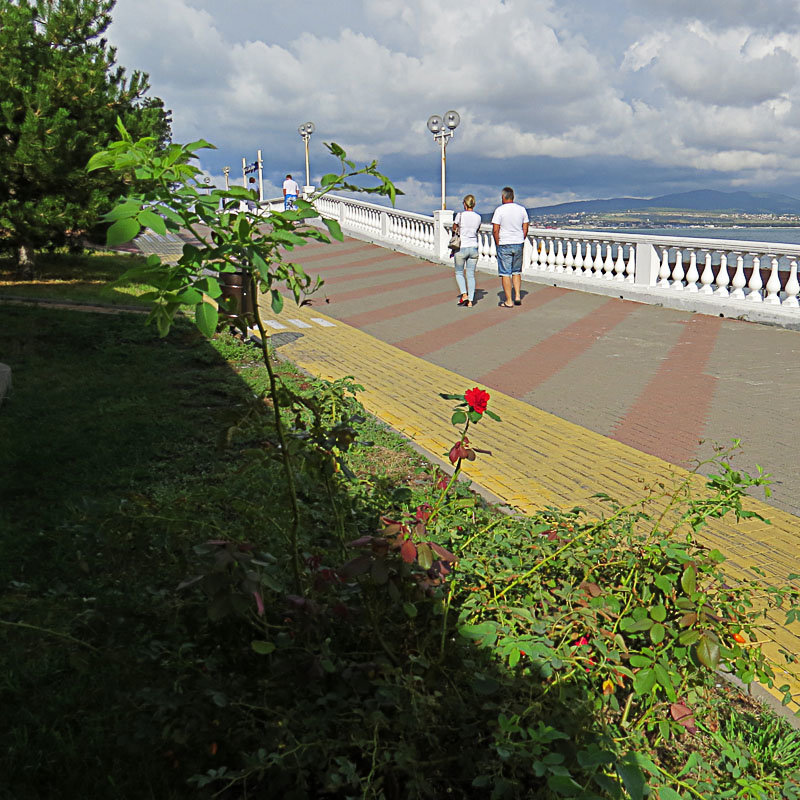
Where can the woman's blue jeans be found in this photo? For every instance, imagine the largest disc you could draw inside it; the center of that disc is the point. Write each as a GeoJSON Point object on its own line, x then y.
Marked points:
{"type": "Point", "coordinates": [466, 259]}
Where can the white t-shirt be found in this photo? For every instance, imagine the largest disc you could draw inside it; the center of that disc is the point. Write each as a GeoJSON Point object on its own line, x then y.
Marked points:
{"type": "Point", "coordinates": [290, 186]}
{"type": "Point", "coordinates": [510, 217]}
{"type": "Point", "coordinates": [468, 223]}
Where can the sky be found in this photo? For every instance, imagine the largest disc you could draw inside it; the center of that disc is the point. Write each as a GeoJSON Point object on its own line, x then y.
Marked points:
{"type": "Point", "coordinates": [561, 99]}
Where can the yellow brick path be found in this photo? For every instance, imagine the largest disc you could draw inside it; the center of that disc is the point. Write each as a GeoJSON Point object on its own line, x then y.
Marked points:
{"type": "Point", "coordinates": [538, 459]}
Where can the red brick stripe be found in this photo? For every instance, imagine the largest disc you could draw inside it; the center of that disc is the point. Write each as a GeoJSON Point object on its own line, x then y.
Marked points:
{"type": "Point", "coordinates": [387, 286]}
{"type": "Point", "coordinates": [339, 252]}
{"type": "Point", "coordinates": [473, 323]}
{"type": "Point", "coordinates": [370, 262]}
{"type": "Point", "coordinates": [399, 309]}
{"type": "Point", "coordinates": [528, 370]}
{"type": "Point", "coordinates": [668, 417]}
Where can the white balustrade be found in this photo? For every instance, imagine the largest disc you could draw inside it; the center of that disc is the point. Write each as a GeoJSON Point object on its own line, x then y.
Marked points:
{"type": "Point", "coordinates": [725, 272]}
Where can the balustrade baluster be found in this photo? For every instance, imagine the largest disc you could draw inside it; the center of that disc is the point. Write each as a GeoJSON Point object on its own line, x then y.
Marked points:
{"type": "Point", "coordinates": [608, 264]}
{"type": "Point", "coordinates": [677, 272]}
{"type": "Point", "coordinates": [619, 264]}
{"type": "Point", "coordinates": [755, 284]}
{"type": "Point", "coordinates": [739, 280]}
{"type": "Point", "coordinates": [773, 286]}
{"type": "Point", "coordinates": [723, 278]}
{"type": "Point", "coordinates": [578, 259]}
{"type": "Point", "coordinates": [560, 256]}
{"type": "Point", "coordinates": [630, 267]}
{"type": "Point", "coordinates": [551, 257]}
{"type": "Point", "coordinates": [569, 261]}
{"type": "Point", "coordinates": [692, 275]}
{"type": "Point", "coordinates": [664, 271]}
{"type": "Point", "coordinates": [792, 286]}
{"type": "Point", "coordinates": [707, 278]}
{"type": "Point", "coordinates": [598, 260]}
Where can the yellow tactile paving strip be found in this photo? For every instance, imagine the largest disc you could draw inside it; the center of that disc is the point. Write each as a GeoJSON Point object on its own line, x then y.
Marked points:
{"type": "Point", "coordinates": [538, 459]}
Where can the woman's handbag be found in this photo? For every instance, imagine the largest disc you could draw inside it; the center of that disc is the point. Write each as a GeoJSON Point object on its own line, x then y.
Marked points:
{"type": "Point", "coordinates": [455, 242]}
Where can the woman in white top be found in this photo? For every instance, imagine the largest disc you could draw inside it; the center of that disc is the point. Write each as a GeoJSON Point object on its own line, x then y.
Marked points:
{"type": "Point", "coordinates": [466, 224]}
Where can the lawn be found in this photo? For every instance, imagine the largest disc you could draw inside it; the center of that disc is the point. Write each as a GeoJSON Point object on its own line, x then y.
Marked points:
{"type": "Point", "coordinates": [156, 644]}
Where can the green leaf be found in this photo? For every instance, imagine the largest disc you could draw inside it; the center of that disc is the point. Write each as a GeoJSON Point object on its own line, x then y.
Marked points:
{"type": "Point", "coordinates": [667, 793]}
{"type": "Point", "coordinates": [458, 418]}
{"type": "Point", "coordinates": [127, 209]}
{"type": "Point", "coordinates": [424, 555]}
{"type": "Point", "coordinates": [644, 681]}
{"type": "Point", "coordinates": [492, 415]}
{"type": "Point", "coordinates": [410, 609]}
{"type": "Point", "coordinates": [277, 301]}
{"type": "Point", "coordinates": [563, 784]}
{"type": "Point", "coordinates": [658, 613]}
{"type": "Point", "coordinates": [152, 221]}
{"type": "Point", "coordinates": [657, 633]}
{"type": "Point", "coordinates": [708, 651]}
{"type": "Point", "coordinates": [662, 676]}
{"type": "Point", "coordinates": [632, 777]}
{"type": "Point", "coordinates": [123, 230]}
{"type": "Point", "coordinates": [206, 318]}
{"type": "Point", "coordinates": [334, 229]}
{"type": "Point", "coordinates": [263, 648]}
{"type": "Point", "coordinates": [329, 179]}
{"type": "Point", "coordinates": [689, 580]}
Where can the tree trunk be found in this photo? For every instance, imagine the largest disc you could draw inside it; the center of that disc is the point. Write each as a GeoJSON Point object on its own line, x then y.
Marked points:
{"type": "Point", "coordinates": [26, 262]}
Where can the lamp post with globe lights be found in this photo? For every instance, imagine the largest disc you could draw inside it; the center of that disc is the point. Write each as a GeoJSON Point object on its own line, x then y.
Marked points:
{"type": "Point", "coordinates": [305, 130]}
{"type": "Point", "coordinates": [443, 129]}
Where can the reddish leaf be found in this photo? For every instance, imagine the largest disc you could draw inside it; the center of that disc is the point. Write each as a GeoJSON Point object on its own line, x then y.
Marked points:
{"type": "Point", "coordinates": [408, 551]}
{"type": "Point", "coordinates": [259, 603]}
{"type": "Point", "coordinates": [420, 530]}
{"type": "Point", "coordinates": [478, 450]}
{"type": "Point", "coordinates": [455, 453]}
{"type": "Point", "coordinates": [445, 555]}
{"type": "Point", "coordinates": [470, 454]}
{"type": "Point", "coordinates": [357, 566]}
{"type": "Point", "coordinates": [591, 588]}
{"type": "Point", "coordinates": [683, 715]}
{"type": "Point", "coordinates": [362, 542]}
{"type": "Point", "coordinates": [423, 512]}
{"type": "Point", "coordinates": [687, 620]}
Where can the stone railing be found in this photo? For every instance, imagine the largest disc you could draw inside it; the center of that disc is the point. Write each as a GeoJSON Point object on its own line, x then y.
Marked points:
{"type": "Point", "coordinates": [726, 277]}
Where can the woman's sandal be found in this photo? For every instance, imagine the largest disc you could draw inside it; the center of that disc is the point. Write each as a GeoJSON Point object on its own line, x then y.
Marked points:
{"type": "Point", "coordinates": [505, 305]}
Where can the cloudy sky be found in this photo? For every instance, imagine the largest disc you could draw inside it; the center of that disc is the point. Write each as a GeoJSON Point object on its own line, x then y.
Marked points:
{"type": "Point", "coordinates": [562, 99]}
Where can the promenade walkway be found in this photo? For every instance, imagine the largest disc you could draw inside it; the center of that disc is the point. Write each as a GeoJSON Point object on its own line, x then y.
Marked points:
{"type": "Point", "coordinates": [595, 394]}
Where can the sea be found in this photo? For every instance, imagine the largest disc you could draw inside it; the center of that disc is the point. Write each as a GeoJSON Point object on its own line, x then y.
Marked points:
{"type": "Point", "coordinates": [782, 235]}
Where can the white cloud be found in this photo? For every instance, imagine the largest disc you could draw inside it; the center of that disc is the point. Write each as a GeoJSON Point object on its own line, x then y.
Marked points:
{"type": "Point", "coordinates": [700, 85]}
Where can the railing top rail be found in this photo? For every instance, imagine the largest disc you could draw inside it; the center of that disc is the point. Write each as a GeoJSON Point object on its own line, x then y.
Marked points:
{"type": "Point", "coordinates": [677, 242]}
{"type": "Point", "coordinates": [377, 207]}
{"type": "Point", "coordinates": [726, 245]}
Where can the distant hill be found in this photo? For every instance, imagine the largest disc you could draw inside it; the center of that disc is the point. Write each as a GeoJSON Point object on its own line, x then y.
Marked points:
{"type": "Point", "coordinates": [700, 200]}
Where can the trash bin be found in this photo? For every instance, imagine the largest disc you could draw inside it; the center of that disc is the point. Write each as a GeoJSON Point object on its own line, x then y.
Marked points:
{"type": "Point", "coordinates": [236, 291]}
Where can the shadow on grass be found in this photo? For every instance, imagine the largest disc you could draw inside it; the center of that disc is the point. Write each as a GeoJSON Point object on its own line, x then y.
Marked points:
{"type": "Point", "coordinates": [114, 684]}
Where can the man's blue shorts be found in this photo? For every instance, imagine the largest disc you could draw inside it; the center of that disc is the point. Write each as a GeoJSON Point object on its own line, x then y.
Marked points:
{"type": "Point", "coordinates": [509, 259]}
{"type": "Point", "coordinates": [289, 202]}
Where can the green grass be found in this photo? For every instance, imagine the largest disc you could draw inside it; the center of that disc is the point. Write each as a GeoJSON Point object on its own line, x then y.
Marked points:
{"type": "Point", "coordinates": [123, 454]}
{"type": "Point", "coordinates": [73, 277]}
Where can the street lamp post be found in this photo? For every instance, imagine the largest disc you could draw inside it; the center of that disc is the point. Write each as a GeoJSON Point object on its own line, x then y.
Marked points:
{"type": "Point", "coordinates": [305, 130]}
{"type": "Point", "coordinates": [443, 129]}
{"type": "Point", "coordinates": [226, 171]}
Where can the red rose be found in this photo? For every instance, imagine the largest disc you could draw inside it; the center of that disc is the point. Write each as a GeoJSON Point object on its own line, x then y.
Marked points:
{"type": "Point", "coordinates": [477, 399]}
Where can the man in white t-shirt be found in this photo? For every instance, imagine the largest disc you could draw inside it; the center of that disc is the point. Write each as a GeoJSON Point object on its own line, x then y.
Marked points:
{"type": "Point", "coordinates": [290, 191]}
{"type": "Point", "coordinates": [510, 229]}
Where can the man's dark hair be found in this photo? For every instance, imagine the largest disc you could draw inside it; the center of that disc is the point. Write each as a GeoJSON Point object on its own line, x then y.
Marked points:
{"type": "Point", "coordinates": [508, 193]}
{"type": "Point", "coordinates": [288, 176]}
